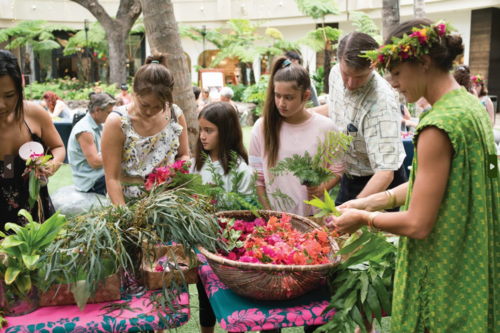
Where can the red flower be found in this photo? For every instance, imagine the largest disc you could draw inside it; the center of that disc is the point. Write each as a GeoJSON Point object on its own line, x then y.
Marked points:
{"type": "Point", "coordinates": [441, 29]}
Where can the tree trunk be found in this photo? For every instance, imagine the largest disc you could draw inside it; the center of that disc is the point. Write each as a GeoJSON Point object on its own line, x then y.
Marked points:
{"type": "Point", "coordinates": [390, 16]}
{"type": "Point", "coordinates": [117, 58]}
{"type": "Point", "coordinates": [163, 36]}
{"type": "Point", "coordinates": [327, 66]}
{"type": "Point", "coordinates": [243, 73]}
{"type": "Point", "coordinates": [419, 8]}
{"type": "Point", "coordinates": [117, 31]}
{"type": "Point", "coordinates": [252, 73]}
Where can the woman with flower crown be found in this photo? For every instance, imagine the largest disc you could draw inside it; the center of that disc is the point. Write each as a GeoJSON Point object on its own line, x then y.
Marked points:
{"type": "Point", "coordinates": [482, 94]}
{"type": "Point", "coordinates": [448, 271]}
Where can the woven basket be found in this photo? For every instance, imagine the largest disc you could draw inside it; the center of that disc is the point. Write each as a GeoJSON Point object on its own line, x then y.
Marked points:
{"type": "Point", "coordinates": [270, 282]}
{"type": "Point", "coordinates": [65, 297]}
{"type": "Point", "coordinates": [156, 280]}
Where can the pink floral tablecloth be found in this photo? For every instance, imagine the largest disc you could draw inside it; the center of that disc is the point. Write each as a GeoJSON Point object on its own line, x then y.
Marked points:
{"type": "Point", "coordinates": [69, 319]}
{"type": "Point", "coordinates": [239, 314]}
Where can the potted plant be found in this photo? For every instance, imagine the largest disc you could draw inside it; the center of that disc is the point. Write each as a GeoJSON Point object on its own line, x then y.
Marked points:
{"type": "Point", "coordinates": [22, 252]}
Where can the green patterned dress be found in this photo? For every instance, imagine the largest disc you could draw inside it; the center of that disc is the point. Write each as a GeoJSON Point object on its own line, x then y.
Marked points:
{"type": "Point", "coordinates": [450, 281]}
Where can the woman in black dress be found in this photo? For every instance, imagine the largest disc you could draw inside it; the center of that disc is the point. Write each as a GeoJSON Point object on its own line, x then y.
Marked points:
{"type": "Point", "coordinates": [21, 122]}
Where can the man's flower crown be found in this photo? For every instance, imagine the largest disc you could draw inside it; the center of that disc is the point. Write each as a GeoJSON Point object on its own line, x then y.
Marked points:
{"type": "Point", "coordinates": [410, 47]}
{"type": "Point", "coordinates": [477, 79]}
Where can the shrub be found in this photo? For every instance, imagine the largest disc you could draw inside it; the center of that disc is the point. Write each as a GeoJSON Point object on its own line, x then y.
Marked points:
{"type": "Point", "coordinates": [67, 89]}
{"type": "Point", "coordinates": [238, 91]}
{"type": "Point", "coordinates": [257, 94]}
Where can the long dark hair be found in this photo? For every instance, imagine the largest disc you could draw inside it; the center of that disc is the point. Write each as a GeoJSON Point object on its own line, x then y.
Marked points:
{"type": "Point", "coordinates": [9, 66]}
{"type": "Point", "coordinates": [272, 117]}
{"type": "Point", "coordinates": [462, 76]}
{"type": "Point", "coordinates": [223, 115]}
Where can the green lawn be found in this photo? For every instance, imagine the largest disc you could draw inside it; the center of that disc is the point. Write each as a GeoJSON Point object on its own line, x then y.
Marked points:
{"type": "Point", "coordinates": [63, 178]}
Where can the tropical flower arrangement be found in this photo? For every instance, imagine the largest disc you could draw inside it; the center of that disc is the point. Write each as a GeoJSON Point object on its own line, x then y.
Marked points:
{"type": "Point", "coordinates": [410, 47]}
{"type": "Point", "coordinates": [37, 167]}
{"type": "Point", "coordinates": [169, 175]}
{"type": "Point", "coordinates": [477, 79]}
{"type": "Point", "coordinates": [274, 243]}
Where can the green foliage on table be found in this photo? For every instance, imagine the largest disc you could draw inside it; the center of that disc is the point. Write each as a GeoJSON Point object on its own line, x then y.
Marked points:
{"type": "Point", "coordinates": [25, 249]}
{"type": "Point", "coordinates": [257, 94]}
{"type": "Point", "coordinates": [105, 235]}
{"type": "Point", "coordinates": [311, 170]}
{"type": "Point", "coordinates": [233, 200]}
{"type": "Point", "coordinates": [362, 285]}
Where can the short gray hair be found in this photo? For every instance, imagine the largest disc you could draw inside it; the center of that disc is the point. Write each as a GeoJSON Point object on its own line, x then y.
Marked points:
{"type": "Point", "coordinates": [100, 101]}
{"type": "Point", "coordinates": [227, 92]}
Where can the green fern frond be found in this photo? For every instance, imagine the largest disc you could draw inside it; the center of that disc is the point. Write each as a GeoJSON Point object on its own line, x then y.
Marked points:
{"type": "Point", "coordinates": [318, 9]}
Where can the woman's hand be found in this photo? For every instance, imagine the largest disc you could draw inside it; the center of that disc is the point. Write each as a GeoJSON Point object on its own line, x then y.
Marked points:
{"type": "Point", "coordinates": [361, 204]}
{"type": "Point", "coordinates": [315, 191]}
{"type": "Point", "coordinates": [350, 221]}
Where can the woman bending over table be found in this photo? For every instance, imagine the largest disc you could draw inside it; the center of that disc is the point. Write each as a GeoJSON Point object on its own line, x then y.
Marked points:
{"type": "Point", "coordinates": [148, 133]}
{"type": "Point", "coordinates": [447, 276]}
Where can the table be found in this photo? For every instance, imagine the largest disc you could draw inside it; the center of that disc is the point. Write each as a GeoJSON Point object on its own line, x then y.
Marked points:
{"type": "Point", "coordinates": [63, 127]}
{"type": "Point", "coordinates": [65, 319]}
{"type": "Point", "coordinates": [239, 314]}
{"type": "Point", "coordinates": [408, 145]}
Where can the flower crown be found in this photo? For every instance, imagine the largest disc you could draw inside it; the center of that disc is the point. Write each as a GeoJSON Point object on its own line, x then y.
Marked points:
{"type": "Point", "coordinates": [410, 47]}
{"type": "Point", "coordinates": [477, 79]}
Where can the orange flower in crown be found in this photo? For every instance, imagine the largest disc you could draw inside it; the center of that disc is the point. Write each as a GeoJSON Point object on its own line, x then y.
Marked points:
{"type": "Point", "coordinates": [409, 47]}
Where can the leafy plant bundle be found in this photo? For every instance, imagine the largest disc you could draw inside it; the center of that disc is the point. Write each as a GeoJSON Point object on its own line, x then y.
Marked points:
{"type": "Point", "coordinates": [36, 169]}
{"type": "Point", "coordinates": [25, 250]}
{"type": "Point", "coordinates": [363, 285]}
{"type": "Point", "coordinates": [313, 171]}
{"type": "Point", "coordinates": [105, 235]}
{"type": "Point", "coordinates": [232, 200]}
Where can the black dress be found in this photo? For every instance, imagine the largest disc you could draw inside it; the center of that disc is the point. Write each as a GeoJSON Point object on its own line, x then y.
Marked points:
{"type": "Point", "coordinates": [14, 193]}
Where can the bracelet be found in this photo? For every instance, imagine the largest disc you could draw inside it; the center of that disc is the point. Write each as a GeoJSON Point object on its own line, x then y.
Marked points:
{"type": "Point", "coordinates": [394, 201]}
{"type": "Point", "coordinates": [371, 225]}
{"type": "Point", "coordinates": [389, 199]}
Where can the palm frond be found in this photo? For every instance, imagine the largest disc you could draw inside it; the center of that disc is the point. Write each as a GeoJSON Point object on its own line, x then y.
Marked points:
{"type": "Point", "coordinates": [51, 27]}
{"type": "Point", "coordinates": [318, 8]}
{"type": "Point", "coordinates": [313, 41]}
{"type": "Point", "coordinates": [138, 27]}
{"type": "Point", "coordinates": [364, 23]}
{"type": "Point", "coordinates": [46, 45]}
{"type": "Point", "coordinates": [274, 33]}
{"type": "Point", "coordinates": [287, 45]}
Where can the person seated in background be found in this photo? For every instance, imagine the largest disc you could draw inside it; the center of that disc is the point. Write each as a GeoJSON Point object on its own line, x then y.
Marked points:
{"type": "Point", "coordinates": [226, 95]}
{"type": "Point", "coordinates": [84, 146]}
{"type": "Point", "coordinates": [295, 59]}
{"type": "Point", "coordinates": [124, 95]}
{"type": "Point", "coordinates": [56, 105]}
